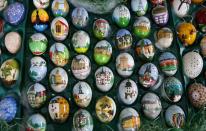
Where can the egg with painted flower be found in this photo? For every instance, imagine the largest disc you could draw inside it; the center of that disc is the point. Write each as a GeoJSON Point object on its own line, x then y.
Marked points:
{"type": "Point", "coordinates": [80, 17]}
{"type": "Point", "coordinates": [60, 8]}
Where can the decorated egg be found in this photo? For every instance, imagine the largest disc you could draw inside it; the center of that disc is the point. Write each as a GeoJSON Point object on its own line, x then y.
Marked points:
{"type": "Point", "coordinates": [60, 8]}
{"type": "Point", "coordinates": [82, 121]}
{"type": "Point", "coordinates": [80, 17]}
{"type": "Point", "coordinates": [201, 20]}
{"type": "Point", "coordinates": [59, 109]}
{"type": "Point", "coordinates": [38, 43]}
{"type": "Point", "coordinates": [123, 39]}
{"type": "Point", "coordinates": [203, 46]}
{"type": "Point", "coordinates": [198, 1]}
{"type": "Point", "coordinates": [172, 89]}
{"type": "Point", "coordinates": [192, 64]}
{"type": "Point", "coordinates": [145, 50]}
{"type": "Point", "coordinates": [40, 20]}
{"type": "Point", "coordinates": [158, 83]}
{"type": "Point", "coordinates": [105, 109]}
{"type": "Point", "coordinates": [81, 41]}
{"type": "Point", "coordinates": [125, 64]}
{"type": "Point", "coordinates": [12, 42]}
{"type": "Point", "coordinates": [3, 4]}
{"type": "Point", "coordinates": [59, 28]}
{"type": "Point", "coordinates": [197, 95]}
{"type": "Point", "coordinates": [36, 95]}
{"type": "Point", "coordinates": [121, 16]}
{"type": "Point", "coordinates": [160, 15]}
{"type": "Point", "coordinates": [180, 7]}
{"type": "Point", "coordinates": [164, 38]}
{"type": "Point", "coordinates": [14, 14]}
{"type": "Point", "coordinates": [140, 7]}
{"type": "Point", "coordinates": [175, 116]}
{"type": "Point", "coordinates": [148, 75]}
{"type": "Point", "coordinates": [151, 105]}
{"type": "Point", "coordinates": [156, 2]}
{"type": "Point", "coordinates": [82, 94]}
{"type": "Point", "coordinates": [104, 78]}
{"type": "Point", "coordinates": [186, 33]}
{"type": "Point", "coordinates": [129, 120]}
{"type": "Point", "coordinates": [59, 54]}
{"type": "Point", "coordinates": [102, 52]}
{"type": "Point", "coordinates": [2, 23]}
{"type": "Point", "coordinates": [42, 4]}
{"type": "Point", "coordinates": [58, 79]}
{"type": "Point", "coordinates": [81, 67]}
{"type": "Point", "coordinates": [8, 108]}
{"type": "Point", "coordinates": [168, 63]}
{"type": "Point", "coordinates": [38, 69]}
{"type": "Point", "coordinates": [142, 27]}
{"type": "Point", "coordinates": [9, 72]}
{"type": "Point", "coordinates": [128, 91]}
{"type": "Point", "coordinates": [36, 122]}
{"type": "Point", "coordinates": [101, 28]}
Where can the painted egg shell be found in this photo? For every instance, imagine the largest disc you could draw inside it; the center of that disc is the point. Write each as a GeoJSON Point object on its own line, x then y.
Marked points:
{"type": "Point", "coordinates": [200, 19]}
{"type": "Point", "coordinates": [203, 46]}
{"type": "Point", "coordinates": [8, 108]}
{"type": "Point", "coordinates": [197, 1]}
{"type": "Point", "coordinates": [129, 120]}
{"type": "Point", "coordinates": [156, 2]}
{"type": "Point", "coordinates": [59, 28]}
{"type": "Point", "coordinates": [80, 17]}
{"type": "Point", "coordinates": [160, 15]}
{"type": "Point", "coordinates": [151, 105]}
{"type": "Point", "coordinates": [60, 8]}
{"type": "Point", "coordinates": [105, 109]}
{"type": "Point", "coordinates": [81, 67]}
{"type": "Point", "coordinates": [125, 64]}
{"type": "Point", "coordinates": [148, 75]}
{"type": "Point", "coordinates": [168, 63]}
{"type": "Point", "coordinates": [12, 42]}
{"type": "Point", "coordinates": [36, 95]}
{"type": "Point", "coordinates": [102, 52]}
{"type": "Point", "coordinates": [9, 72]}
{"type": "Point", "coordinates": [158, 83]}
{"type": "Point", "coordinates": [139, 7]}
{"type": "Point", "coordinates": [36, 122]}
{"type": "Point", "coordinates": [40, 20]}
{"type": "Point", "coordinates": [128, 91]}
{"type": "Point", "coordinates": [59, 109]}
{"type": "Point", "coordinates": [58, 79]}
{"type": "Point", "coordinates": [41, 4]}
{"type": "Point", "coordinates": [180, 7]}
{"type": "Point", "coordinates": [172, 89]}
{"type": "Point", "coordinates": [192, 64]}
{"type": "Point", "coordinates": [104, 78]}
{"type": "Point", "coordinates": [38, 69]}
{"type": "Point", "coordinates": [82, 94]}
{"type": "Point", "coordinates": [3, 4]}
{"type": "Point", "coordinates": [123, 39]}
{"type": "Point", "coordinates": [59, 54]}
{"type": "Point", "coordinates": [14, 14]}
{"type": "Point", "coordinates": [142, 27]}
{"type": "Point", "coordinates": [164, 38]}
{"type": "Point", "coordinates": [101, 28]}
{"type": "Point", "coordinates": [121, 16]}
{"type": "Point", "coordinates": [38, 44]}
{"type": "Point", "coordinates": [2, 23]}
{"type": "Point", "coordinates": [186, 33]}
{"type": "Point", "coordinates": [197, 95]}
{"type": "Point", "coordinates": [81, 41]}
{"type": "Point", "coordinates": [145, 50]}
{"type": "Point", "coordinates": [175, 116]}
{"type": "Point", "coordinates": [82, 121]}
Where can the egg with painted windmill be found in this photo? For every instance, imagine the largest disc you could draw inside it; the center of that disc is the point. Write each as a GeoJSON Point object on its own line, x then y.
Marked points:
{"type": "Point", "coordinates": [200, 19]}
{"type": "Point", "coordinates": [101, 28]}
{"type": "Point", "coordinates": [3, 4]}
{"type": "Point", "coordinates": [203, 46]}
{"type": "Point", "coordinates": [41, 4]}
{"type": "Point", "coordinates": [140, 7]}
{"type": "Point", "coordinates": [160, 15]}
{"type": "Point", "coordinates": [36, 122]}
{"type": "Point", "coordinates": [181, 7]}
{"type": "Point", "coordinates": [60, 8]}
{"type": "Point", "coordinates": [124, 39]}
{"type": "Point", "coordinates": [80, 17]}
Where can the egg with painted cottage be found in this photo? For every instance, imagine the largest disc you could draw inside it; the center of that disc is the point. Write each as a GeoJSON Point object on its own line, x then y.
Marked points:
{"type": "Point", "coordinates": [124, 39]}
{"type": "Point", "coordinates": [36, 122]}
{"type": "Point", "coordinates": [60, 8]}
{"type": "Point", "coordinates": [140, 7]}
{"type": "Point", "coordinates": [80, 17]}
{"type": "Point", "coordinates": [101, 29]}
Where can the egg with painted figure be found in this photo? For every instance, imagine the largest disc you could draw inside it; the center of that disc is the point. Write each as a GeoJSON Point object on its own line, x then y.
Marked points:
{"type": "Point", "coordinates": [60, 8]}
{"type": "Point", "coordinates": [41, 4]}
{"type": "Point", "coordinates": [80, 17]}
{"type": "Point", "coordinates": [124, 39]}
{"type": "Point", "coordinates": [12, 42]}
{"type": "Point", "coordinates": [140, 7]}
{"type": "Point", "coordinates": [36, 122]}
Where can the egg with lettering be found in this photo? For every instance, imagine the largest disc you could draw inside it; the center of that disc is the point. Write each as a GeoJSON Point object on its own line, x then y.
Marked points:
{"type": "Point", "coordinates": [36, 122]}
{"type": "Point", "coordinates": [101, 29]}
{"type": "Point", "coordinates": [12, 42]}
{"type": "Point", "coordinates": [60, 8]}
{"type": "Point", "coordinates": [181, 8]}
{"type": "Point", "coordinates": [123, 39]}
{"type": "Point", "coordinates": [160, 15]}
{"type": "Point", "coordinates": [80, 17]}
{"type": "Point", "coordinates": [140, 7]}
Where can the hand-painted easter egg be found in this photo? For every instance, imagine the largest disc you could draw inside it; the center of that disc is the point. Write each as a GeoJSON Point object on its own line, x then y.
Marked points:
{"type": "Point", "coordinates": [151, 105]}
{"type": "Point", "coordinates": [105, 109]}
{"type": "Point", "coordinates": [197, 1]}
{"type": "Point", "coordinates": [59, 54]}
{"type": "Point", "coordinates": [101, 28]}
{"type": "Point", "coordinates": [60, 8]}
{"type": "Point", "coordinates": [41, 4]}
{"type": "Point", "coordinates": [58, 79]}
{"type": "Point", "coordinates": [128, 91]}
{"type": "Point", "coordinates": [102, 52]}
{"type": "Point", "coordinates": [81, 67]}
{"type": "Point", "coordinates": [80, 17]}
{"type": "Point", "coordinates": [156, 2]}
{"type": "Point", "coordinates": [123, 39]}
{"type": "Point", "coordinates": [82, 94]}
{"type": "Point", "coordinates": [38, 69]}
{"type": "Point", "coordinates": [36, 95]}
{"type": "Point", "coordinates": [3, 4]}
{"type": "Point", "coordinates": [38, 43]}
{"type": "Point", "coordinates": [9, 72]}
{"type": "Point", "coordinates": [140, 7]}
{"type": "Point", "coordinates": [13, 42]}
{"type": "Point", "coordinates": [36, 122]}
{"type": "Point", "coordinates": [200, 19]}
{"type": "Point", "coordinates": [180, 7]}
{"type": "Point", "coordinates": [59, 109]}
{"type": "Point", "coordinates": [160, 15]}
{"type": "Point", "coordinates": [203, 46]}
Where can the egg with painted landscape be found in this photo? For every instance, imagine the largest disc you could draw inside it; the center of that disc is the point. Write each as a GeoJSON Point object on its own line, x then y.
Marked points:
{"type": "Point", "coordinates": [140, 7]}
{"type": "Point", "coordinates": [101, 29]}
{"type": "Point", "coordinates": [36, 122]}
{"type": "Point", "coordinates": [60, 8]}
{"type": "Point", "coordinates": [123, 39]}
{"type": "Point", "coordinates": [80, 17]}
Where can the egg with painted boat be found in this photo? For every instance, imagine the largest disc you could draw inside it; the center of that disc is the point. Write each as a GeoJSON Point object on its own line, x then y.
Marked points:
{"type": "Point", "coordinates": [140, 7]}
{"type": "Point", "coordinates": [60, 8]}
{"type": "Point", "coordinates": [203, 46]}
{"type": "Point", "coordinates": [12, 42]}
{"type": "Point", "coordinates": [36, 122]}
{"type": "Point", "coordinates": [42, 4]}
{"type": "Point", "coordinates": [181, 8]}
{"type": "Point", "coordinates": [200, 19]}
{"type": "Point", "coordinates": [124, 39]}
{"type": "Point", "coordinates": [3, 4]}
{"type": "Point", "coordinates": [80, 17]}
{"type": "Point", "coordinates": [160, 15]}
